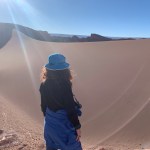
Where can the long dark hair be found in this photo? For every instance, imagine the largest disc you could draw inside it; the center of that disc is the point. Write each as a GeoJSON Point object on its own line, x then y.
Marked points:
{"type": "Point", "coordinates": [65, 74]}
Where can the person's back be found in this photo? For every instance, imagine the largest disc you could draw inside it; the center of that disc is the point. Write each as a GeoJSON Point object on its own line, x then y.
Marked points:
{"type": "Point", "coordinates": [62, 126]}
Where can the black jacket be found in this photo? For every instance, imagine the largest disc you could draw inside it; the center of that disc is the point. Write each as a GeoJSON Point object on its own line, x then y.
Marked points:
{"type": "Point", "coordinates": [58, 95]}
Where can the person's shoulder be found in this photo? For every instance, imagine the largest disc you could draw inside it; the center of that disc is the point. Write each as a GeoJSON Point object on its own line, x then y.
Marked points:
{"type": "Point", "coordinates": [41, 85]}
{"type": "Point", "coordinates": [47, 83]}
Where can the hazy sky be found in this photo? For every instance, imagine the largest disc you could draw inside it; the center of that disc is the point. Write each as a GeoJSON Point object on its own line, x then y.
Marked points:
{"type": "Point", "coordinates": [105, 17]}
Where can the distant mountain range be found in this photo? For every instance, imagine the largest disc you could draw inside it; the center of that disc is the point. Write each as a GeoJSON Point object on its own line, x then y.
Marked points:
{"type": "Point", "coordinates": [7, 28]}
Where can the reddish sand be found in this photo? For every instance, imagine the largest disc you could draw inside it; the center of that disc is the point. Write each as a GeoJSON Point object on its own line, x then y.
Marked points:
{"type": "Point", "coordinates": [111, 81]}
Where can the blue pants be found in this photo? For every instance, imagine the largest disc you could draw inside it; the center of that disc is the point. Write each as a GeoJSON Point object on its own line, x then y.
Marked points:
{"type": "Point", "coordinates": [59, 132]}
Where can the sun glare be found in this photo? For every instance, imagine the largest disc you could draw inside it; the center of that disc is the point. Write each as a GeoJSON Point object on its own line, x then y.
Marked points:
{"type": "Point", "coordinates": [15, 6]}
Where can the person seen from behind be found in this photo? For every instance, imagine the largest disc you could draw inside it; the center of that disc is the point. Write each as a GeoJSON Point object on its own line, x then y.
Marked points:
{"type": "Point", "coordinates": [62, 128]}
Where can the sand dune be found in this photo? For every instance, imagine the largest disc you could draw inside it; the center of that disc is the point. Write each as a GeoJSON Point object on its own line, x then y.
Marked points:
{"type": "Point", "coordinates": [112, 82]}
